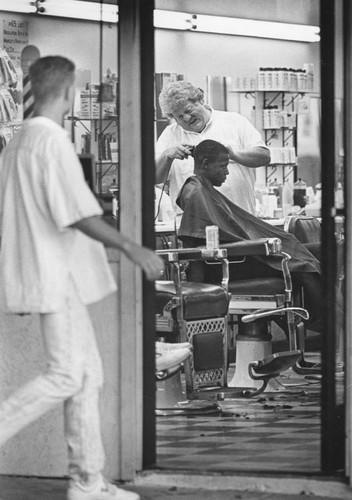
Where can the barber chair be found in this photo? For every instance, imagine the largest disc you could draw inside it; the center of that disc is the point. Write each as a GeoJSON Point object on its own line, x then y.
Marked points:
{"type": "Point", "coordinates": [194, 313]}
{"type": "Point", "coordinates": [186, 310]}
{"type": "Point", "coordinates": [256, 303]}
{"type": "Point", "coordinates": [307, 230]}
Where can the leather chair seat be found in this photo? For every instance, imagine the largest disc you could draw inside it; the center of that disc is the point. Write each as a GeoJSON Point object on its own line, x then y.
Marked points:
{"type": "Point", "coordinates": [200, 300]}
{"type": "Point", "coordinates": [260, 286]}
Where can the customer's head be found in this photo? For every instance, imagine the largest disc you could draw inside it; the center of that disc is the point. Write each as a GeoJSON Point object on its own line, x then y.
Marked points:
{"type": "Point", "coordinates": [52, 77]}
{"type": "Point", "coordinates": [211, 159]}
{"type": "Point", "coordinates": [185, 103]}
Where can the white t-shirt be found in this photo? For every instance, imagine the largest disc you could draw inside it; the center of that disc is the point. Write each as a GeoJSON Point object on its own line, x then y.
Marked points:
{"type": "Point", "coordinates": [43, 192]}
{"type": "Point", "coordinates": [230, 129]}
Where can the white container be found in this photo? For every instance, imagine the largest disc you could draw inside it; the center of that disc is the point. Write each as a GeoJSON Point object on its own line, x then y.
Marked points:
{"type": "Point", "coordinates": [266, 118]}
{"type": "Point", "coordinates": [287, 198]}
{"type": "Point", "coordinates": [301, 81]}
{"type": "Point", "coordinates": [293, 80]}
{"type": "Point", "coordinates": [276, 119]}
{"type": "Point", "coordinates": [285, 79]}
{"type": "Point", "coordinates": [212, 237]}
{"type": "Point", "coordinates": [339, 198]}
{"type": "Point", "coordinates": [268, 79]}
{"type": "Point", "coordinates": [309, 69]}
{"type": "Point", "coordinates": [261, 79]}
{"type": "Point", "coordinates": [114, 151]}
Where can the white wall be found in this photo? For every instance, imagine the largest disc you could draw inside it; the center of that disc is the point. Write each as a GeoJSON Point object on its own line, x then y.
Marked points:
{"type": "Point", "coordinates": [198, 54]}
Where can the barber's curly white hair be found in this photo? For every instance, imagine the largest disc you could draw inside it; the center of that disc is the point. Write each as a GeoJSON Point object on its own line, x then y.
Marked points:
{"type": "Point", "coordinates": [175, 94]}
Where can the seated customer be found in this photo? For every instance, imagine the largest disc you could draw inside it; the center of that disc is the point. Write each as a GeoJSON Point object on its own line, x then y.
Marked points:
{"type": "Point", "coordinates": [203, 206]}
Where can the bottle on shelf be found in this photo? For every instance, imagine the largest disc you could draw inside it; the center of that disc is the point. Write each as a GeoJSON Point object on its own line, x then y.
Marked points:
{"type": "Point", "coordinates": [300, 193]}
{"type": "Point", "coordinates": [114, 152]}
{"type": "Point", "coordinates": [114, 189]}
{"type": "Point", "coordinates": [287, 198]}
{"type": "Point", "coordinates": [339, 200]}
{"type": "Point", "coordinates": [308, 68]}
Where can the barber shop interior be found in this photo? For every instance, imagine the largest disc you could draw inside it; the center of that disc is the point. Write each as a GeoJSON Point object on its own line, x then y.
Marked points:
{"type": "Point", "coordinates": [218, 134]}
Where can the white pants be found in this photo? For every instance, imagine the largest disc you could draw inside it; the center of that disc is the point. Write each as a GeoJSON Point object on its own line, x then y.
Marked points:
{"type": "Point", "coordinates": [74, 376]}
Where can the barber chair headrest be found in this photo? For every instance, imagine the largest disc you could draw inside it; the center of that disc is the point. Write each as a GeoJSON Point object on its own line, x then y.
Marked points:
{"type": "Point", "coordinates": [306, 229]}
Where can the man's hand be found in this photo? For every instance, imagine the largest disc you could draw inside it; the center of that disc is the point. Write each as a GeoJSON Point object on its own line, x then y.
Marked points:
{"type": "Point", "coordinates": [147, 259]}
{"type": "Point", "coordinates": [179, 152]}
{"type": "Point", "coordinates": [164, 161]}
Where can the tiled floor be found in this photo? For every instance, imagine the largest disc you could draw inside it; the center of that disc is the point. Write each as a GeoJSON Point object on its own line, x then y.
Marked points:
{"type": "Point", "coordinates": [271, 432]}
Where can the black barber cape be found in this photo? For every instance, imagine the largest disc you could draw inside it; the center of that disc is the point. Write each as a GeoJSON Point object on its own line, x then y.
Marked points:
{"type": "Point", "coordinates": [203, 206]}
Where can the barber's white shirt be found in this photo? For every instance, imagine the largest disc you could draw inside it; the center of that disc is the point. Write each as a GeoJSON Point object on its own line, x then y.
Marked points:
{"type": "Point", "coordinates": [43, 192]}
{"type": "Point", "coordinates": [230, 129]}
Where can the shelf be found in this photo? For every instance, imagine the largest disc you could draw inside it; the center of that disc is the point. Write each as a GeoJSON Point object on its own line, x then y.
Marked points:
{"type": "Point", "coordinates": [79, 119]}
{"type": "Point", "coordinates": [251, 91]}
{"type": "Point", "coordinates": [282, 165]}
{"type": "Point", "coordinates": [105, 162]}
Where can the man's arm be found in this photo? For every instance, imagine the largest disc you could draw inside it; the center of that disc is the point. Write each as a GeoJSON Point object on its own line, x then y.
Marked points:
{"type": "Point", "coordinates": [164, 161]}
{"type": "Point", "coordinates": [258, 156]}
{"type": "Point", "coordinates": [143, 257]}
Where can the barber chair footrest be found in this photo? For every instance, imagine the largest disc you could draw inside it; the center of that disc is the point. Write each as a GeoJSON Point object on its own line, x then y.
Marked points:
{"type": "Point", "coordinates": [271, 367]}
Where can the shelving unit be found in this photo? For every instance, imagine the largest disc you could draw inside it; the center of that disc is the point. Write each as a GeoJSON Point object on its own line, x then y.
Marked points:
{"type": "Point", "coordinates": [280, 130]}
{"type": "Point", "coordinates": [290, 104]}
{"type": "Point", "coordinates": [281, 135]}
{"type": "Point", "coordinates": [98, 131]}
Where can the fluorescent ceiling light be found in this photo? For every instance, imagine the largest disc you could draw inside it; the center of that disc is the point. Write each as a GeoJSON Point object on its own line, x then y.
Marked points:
{"type": "Point", "coordinates": [235, 26]}
{"type": "Point", "coordinates": [90, 11]}
{"type": "Point", "coordinates": [167, 19]}
{"type": "Point", "coordinates": [75, 9]}
{"type": "Point", "coordinates": [23, 6]}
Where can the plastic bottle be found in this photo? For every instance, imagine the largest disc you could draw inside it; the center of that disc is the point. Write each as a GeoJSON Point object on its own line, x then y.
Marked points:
{"type": "Point", "coordinates": [287, 198]}
{"type": "Point", "coordinates": [318, 194]}
{"type": "Point", "coordinates": [301, 80]}
{"type": "Point", "coordinates": [300, 193]}
{"type": "Point", "coordinates": [285, 79]}
{"type": "Point", "coordinates": [264, 195]}
{"type": "Point", "coordinates": [309, 70]}
{"type": "Point", "coordinates": [276, 78]}
{"type": "Point", "coordinates": [114, 151]}
{"type": "Point", "coordinates": [279, 195]}
{"type": "Point", "coordinates": [261, 79]}
{"type": "Point", "coordinates": [339, 202]}
{"type": "Point", "coordinates": [293, 80]}
{"type": "Point", "coordinates": [114, 189]}
{"type": "Point", "coordinates": [268, 79]}
{"type": "Point", "coordinates": [274, 187]}
{"type": "Point", "coordinates": [272, 203]}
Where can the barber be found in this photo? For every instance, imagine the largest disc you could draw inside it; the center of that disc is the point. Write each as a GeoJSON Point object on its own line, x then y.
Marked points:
{"type": "Point", "coordinates": [192, 122]}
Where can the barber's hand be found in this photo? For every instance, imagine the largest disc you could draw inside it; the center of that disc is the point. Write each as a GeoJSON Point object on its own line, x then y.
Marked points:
{"type": "Point", "coordinates": [179, 152]}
